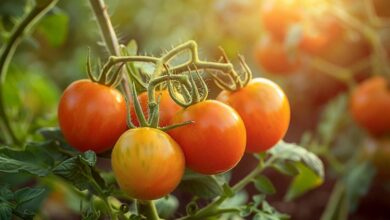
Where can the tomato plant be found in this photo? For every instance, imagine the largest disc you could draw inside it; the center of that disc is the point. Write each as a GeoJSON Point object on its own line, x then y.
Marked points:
{"type": "Point", "coordinates": [368, 101]}
{"type": "Point", "coordinates": [91, 116]}
{"type": "Point", "coordinates": [265, 110]}
{"type": "Point", "coordinates": [217, 130]}
{"type": "Point", "coordinates": [136, 161]}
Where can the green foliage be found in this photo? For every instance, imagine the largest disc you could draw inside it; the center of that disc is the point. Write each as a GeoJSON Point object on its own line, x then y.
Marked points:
{"type": "Point", "coordinates": [23, 202]}
{"type": "Point", "coordinates": [199, 185]}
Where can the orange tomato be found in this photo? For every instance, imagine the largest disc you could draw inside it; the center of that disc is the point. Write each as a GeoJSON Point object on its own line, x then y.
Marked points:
{"type": "Point", "coordinates": [147, 163]}
{"type": "Point", "coordinates": [265, 110]}
{"type": "Point", "coordinates": [279, 15]}
{"type": "Point", "coordinates": [215, 142]}
{"type": "Point", "coordinates": [273, 57]}
{"type": "Point", "coordinates": [370, 105]}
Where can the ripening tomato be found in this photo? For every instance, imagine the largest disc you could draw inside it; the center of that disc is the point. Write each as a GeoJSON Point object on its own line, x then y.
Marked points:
{"type": "Point", "coordinates": [318, 35]}
{"type": "Point", "coordinates": [168, 107]}
{"type": "Point", "coordinates": [279, 15]}
{"type": "Point", "coordinates": [382, 8]}
{"type": "Point", "coordinates": [147, 163]}
{"type": "Point", "coordinates": [265, 110]}
{"type": "Point", "coordinates": [273, 57]}
{"type": "Point", "coordinates": [91, 116]}
{"type": "Point", "coordinates": [370, 105]}
{"type": "Point", "coordinates": [215, 142]}
{"type": "Point", "coordinates": [378, 151]}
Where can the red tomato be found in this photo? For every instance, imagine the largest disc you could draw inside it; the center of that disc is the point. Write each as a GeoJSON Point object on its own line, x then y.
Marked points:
{"type": "Point", "coordinates": [148, 164]}
{"type": "Point", "coordinates": [279, 15]}
{"type": "Point", "coordinates": [370, 105]}
{"type": "Point", "coordinates": [168, 107]}
{"type": "Point", "coordinates": [215, 142]}
{"type": "Point", "coordinates": [92, 116]}
{"type": "Point", "coordinates": [273, 57]}
{"type": "Point", "coordinates": [265, 110]}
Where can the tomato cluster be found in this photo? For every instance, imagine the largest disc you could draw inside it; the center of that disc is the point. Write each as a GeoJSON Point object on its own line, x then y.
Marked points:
{"type": "Point", "coordinates": [149, 163]}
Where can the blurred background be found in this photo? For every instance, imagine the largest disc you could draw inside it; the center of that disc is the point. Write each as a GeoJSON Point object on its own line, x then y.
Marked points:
{"type": "Point", "coordinates": [318, 51]}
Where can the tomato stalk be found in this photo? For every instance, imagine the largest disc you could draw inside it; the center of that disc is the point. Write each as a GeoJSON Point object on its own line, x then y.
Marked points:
{"type": "Point", "coordinates": [7, 52]}
{"type": "Point", "coordinates": [232, 81]}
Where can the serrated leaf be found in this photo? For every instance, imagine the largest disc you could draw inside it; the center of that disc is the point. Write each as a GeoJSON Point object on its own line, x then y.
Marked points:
{"type": "Point", "coordinates": [5, 210]}
{"type": "Point", "coordinates": [89, 157]}
{"type": "Point", "coordinates": [201, 185]}
{"type": "Point", "coordinates": [54, 28]}
{"type": "Point", "coordinates": [264, 185]}
{"type": "Point", "coordinates": [303, 182]}
{"type": "Point", "coordinates": [19, 161]}
{"type": "Point", "coordinates": [27, 194]}
{"type": "Point", "coordinates": [293, 152]}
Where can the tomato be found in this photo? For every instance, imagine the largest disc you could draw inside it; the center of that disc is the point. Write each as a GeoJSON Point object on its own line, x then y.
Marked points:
{"type": "Point", "coordinates": [265, 110]}
{"type": "Point", "coordinates": [168, 107]}
{"type": "Point", "coordinates": [215, 142]}
{"type": "Point", "coordinates": [273, 57]}
{"type": "Point", "coordinates": [91, 116]}
{"type": "Point", "coordinates": [147, 163]}
{"type": "Point", "coordinates": [319, 35]}
{"type": "Point", "coordinates": [279, 15]}
{"type": "Point", "coordinates": [370, 105]}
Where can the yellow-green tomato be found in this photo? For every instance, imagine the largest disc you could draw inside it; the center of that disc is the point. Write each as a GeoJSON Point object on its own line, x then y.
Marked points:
{"type": "Point", "coordinates": [147, 163]}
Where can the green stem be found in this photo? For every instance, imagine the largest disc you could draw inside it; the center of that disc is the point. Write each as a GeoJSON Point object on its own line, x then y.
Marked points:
{"type": "Point", "coordinates": [9, 48]}
{"type": "Point", "coordinates": [104, 198]}
{"type": "Point", "coordinates": [111, 41]}
{"type": "Point", "coordinates": [147, 209]}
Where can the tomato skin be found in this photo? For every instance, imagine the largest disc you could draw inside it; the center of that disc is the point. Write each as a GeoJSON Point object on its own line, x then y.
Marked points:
{"type": "Point", "coordinates": [370, 104]}
{"type": "Point", "coordinates": [278, 16]}
{"type": "Point", "coordinates": [168, 107]}
{"type": "Point", "coordinates": [147, 163]}
{"type": "Point", "coordinates": [265, 110]}
{"type": "Point", "coordinates": [273, 57]}
{"type": "Point", "coordinates": [215, 142]}
{"type": "Point", "coordinates": [91, 116]}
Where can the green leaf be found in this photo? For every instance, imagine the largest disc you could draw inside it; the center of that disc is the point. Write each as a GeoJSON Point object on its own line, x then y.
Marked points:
{"type": "Point", "coordinates": [5, 193]}
{"type": "Point", "coordinates": [54, 28]}
{"type": "Point", "coordinates": [305, 181]}
{"type": "Point", "coordinates": [200, 185]}
{"type": "Point", "coordinates": [258, 199]}
{"type": "Point", "coordinates": [5, 210]}
{"type": "Point", "coordinates": [27, 194]}
{"type": "Point", "coordinates": [358, 181]}
{"type": "Point", "coordinates": [264, 185]}
{"type": "Point", "coordinates": [19, 161]}
{"type": "Point", "coordinates": [286, 168]}
{"type": "Point", "coordinates": [132, 48]}
{"type": "Point", "coordinates": [167, 206]}
{"type": "Point", "coordinates": [293, 152]}
{"type": "Point", "coordinates": [331, 118]}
